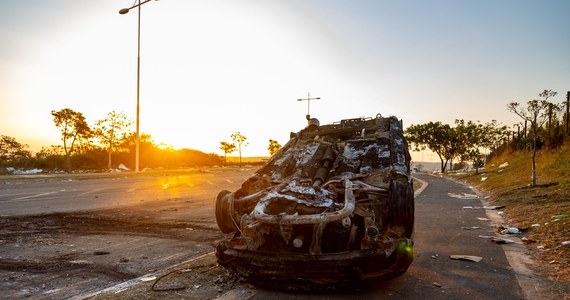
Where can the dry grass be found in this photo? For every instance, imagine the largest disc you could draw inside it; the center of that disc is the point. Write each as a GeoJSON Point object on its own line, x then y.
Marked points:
{"type": "Point", "coordinates": [525, 206]}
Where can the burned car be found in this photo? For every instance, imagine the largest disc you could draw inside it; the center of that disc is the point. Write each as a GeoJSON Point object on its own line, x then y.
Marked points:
{"type": "Point", "coordinates": [332, 209]}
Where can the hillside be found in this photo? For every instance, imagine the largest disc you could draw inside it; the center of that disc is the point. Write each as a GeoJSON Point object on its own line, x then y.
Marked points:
{"type": "Point", "coordinates": [542, 212]}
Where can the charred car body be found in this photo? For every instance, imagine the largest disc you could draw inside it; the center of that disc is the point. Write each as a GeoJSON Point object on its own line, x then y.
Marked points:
{"type": "Point", "coordinates": [334, 208]}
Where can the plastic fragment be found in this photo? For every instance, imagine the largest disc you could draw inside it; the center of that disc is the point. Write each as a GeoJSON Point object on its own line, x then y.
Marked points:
{"type": "Point", "coordinates": [435, 283]}
{"type": "Point", "coordinates": [502, 241]}
{"type": "Point", "coordinates": [511, 230]}
{"type": "Point", "coordinates": [467, 257]}
{"type": "Point", "coordinates": [560, 217]}
{"type": "Point", "coordinates": [566, 243]}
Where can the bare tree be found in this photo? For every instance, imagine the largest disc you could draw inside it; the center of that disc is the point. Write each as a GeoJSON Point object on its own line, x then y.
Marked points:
{"type": "Point", "coordinates": [73, 128]}
{"type": "Point", "coordinates": [536, 113]}
{"type": "Point", "coordinates": [110, 130]}
{"type": "Point", "coordinates": [239, 140]}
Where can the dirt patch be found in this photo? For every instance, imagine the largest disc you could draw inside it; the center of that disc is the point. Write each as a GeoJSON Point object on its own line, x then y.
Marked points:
{"type": "Point", "coordinates": [68, 254]}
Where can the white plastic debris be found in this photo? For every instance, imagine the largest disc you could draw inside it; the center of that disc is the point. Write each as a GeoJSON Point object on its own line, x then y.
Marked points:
{"type": "Point", "coordinates": [511, 230]}
{"type": "Point", "coordinates": [540, 247]}
{"type": "Point", "coordinates": [466, 257]}
{"type": "Point", "coordinates": [535, 225]}
{"type": "Point", "coordinates": [566, 243]}
{"type": "Point", "coordinates": [501, 213]}
{"type": "Point", "coordinates": [483, 178]}
{"type": "Point", "coordinates": [123, 167]}
{"type": "Point", "coordinates": [504, 165]}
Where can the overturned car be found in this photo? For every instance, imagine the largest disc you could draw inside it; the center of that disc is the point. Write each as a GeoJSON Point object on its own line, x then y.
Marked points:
{"type": "Point", "coordinates": [333, 209]}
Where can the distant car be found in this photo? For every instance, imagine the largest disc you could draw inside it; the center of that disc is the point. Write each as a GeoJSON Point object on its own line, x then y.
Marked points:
{"type": "Point", "coordinates": [333, 209]}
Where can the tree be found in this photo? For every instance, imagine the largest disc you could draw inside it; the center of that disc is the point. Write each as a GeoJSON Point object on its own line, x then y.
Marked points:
{"type": "Point", "coordinates": [536, 114]}
{"type": "Point", "coordinates": [239, 140]}
{"type": "Point", "coordinates": [227, 148]}
{"type": "Point", "coordinates": [434, 136]}
{"type": "Point", "coordinates": [110, 130]}
{"type": "Point", "coordinates": [11, 151]}
{"type": "Point", "coordinates": [73, 128]}
{"type": "Point", "coordinates": [274, 146]}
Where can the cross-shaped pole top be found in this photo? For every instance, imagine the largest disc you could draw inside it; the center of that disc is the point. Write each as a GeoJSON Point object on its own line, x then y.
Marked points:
{"type": "Point", "coordinates": [308, 99]}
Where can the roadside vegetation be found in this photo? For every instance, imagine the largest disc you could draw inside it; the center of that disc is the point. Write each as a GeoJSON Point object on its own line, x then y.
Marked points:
{"type": "Point", "coordinates": [541, 211]}
{"type": "Point", "coordinates": [526, 170]}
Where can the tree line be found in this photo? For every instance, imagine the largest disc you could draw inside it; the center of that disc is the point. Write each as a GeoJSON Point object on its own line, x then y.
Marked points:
{"type": "Point", "coordinates": [105, 145]}
{"type": "Point", "coordinates": [544, 124]}
{"type": "Point", "coordinates": [109, 141]}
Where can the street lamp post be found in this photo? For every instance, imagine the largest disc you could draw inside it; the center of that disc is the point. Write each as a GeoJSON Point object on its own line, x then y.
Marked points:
{"type": "Point", "coordinates": [138, 138]}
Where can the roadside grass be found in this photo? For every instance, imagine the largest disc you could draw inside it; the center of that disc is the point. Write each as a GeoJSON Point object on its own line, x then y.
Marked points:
{"type": "Point", "coordinates": [547, 204]}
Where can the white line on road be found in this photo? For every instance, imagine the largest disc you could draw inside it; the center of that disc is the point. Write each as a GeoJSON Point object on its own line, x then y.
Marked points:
{"type": "Point", "coordinates": [229, 181]}
{"type": "Point", "coordinates": [29, 197]}
{"type": "Point", "coordinates": [91, 191]}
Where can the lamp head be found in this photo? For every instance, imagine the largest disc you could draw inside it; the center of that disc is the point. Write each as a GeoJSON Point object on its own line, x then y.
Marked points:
{"type": "Point", "coordinates": [124, 11]}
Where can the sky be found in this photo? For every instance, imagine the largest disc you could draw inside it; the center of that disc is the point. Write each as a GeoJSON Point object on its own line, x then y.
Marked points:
{"type": "Point", "coordinates": [210, 68]}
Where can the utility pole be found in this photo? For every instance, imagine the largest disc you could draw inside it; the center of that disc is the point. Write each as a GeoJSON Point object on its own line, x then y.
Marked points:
{"type": "Point", "coordinates": [568, 113]}
{"type": "Point", "coordinates": [308, 99]}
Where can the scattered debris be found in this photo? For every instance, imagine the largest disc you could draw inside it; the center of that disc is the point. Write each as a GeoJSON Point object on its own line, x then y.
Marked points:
{"type": "Point", "coordinates": [511, 230]}
{"type": "Point", "coordinates": [566, 243]}
{"type": "Point", "coordinates": [540, 247]}
{"type": "Point", "coordinates": [467, 257]}
{"type": "Point", "coordinates": [528, 241]}
{"type": "Point", "coordinates": [483, 219]}
{"type": "Point", "coordinates": [502, 241]}
{"type": "Point", "coordinates": [148, 278]}
{"type": "Point", "coordinates": [486, 237]}
{"type": "Point", "coordinates": [504, 165]}
{"type": "Point", "coordinates": [472, 227]}
{"type": "Point", "coordinates": [557, 218]}
{"type": "Point", "coordinates": [463, 196]}
{"type": "Point", "coordinates": [23, 172]}
{"type": "Point", "coordinates": [435, 283]}
{"type": "Point", "coordinates": [483, 178]}
{"type": "Point", "coordinates": [501, 213]}
{"type": "Point", "coordinates": [535, 225]}
{"type": "Point", "coordinates": [493, 207]}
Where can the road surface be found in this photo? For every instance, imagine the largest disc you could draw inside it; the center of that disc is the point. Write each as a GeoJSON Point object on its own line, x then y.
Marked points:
{"type": "Point", "coordinates": [114, 238]}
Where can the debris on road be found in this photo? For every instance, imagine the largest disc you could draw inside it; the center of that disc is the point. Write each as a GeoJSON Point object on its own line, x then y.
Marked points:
{"type": "Point", "coordinates": [469, 228]}
{"type": "Point", "coordinates": [467, 257]}
{"type": "Point", "coordinates": [503, 241]}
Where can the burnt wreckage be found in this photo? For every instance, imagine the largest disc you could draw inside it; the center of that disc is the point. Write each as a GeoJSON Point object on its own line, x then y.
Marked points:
{"type": "Point", "coordinates": [332, 209]}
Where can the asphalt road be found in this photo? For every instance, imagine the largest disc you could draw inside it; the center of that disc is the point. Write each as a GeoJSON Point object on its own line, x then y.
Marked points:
{"type": "Point", "coordinates": [443, 212]}
{"type": "Point", "coordinates": [438, 234]}
{"type": "Point", "coordinates": [37, 194]}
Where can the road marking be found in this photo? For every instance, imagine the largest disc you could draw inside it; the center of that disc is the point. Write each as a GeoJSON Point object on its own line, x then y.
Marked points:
{"type": "Point", "coordinates": [229, 181]}
{"type": "Point", "coordinates": [91, 191]}
{"type": "Point", "coordinates": [127, 284]}
{"type": "Point", "coordinates": [29, 197]}
{"type": "Point", "coordinates": [209, 182]}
